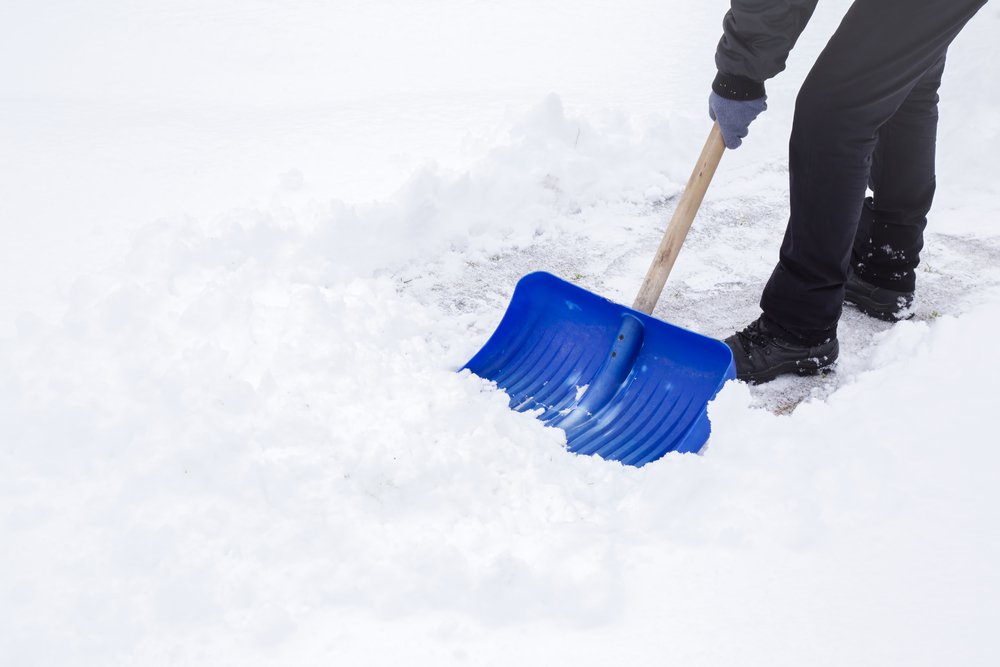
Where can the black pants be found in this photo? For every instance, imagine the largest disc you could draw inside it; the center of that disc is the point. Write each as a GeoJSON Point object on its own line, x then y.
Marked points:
{"type": "Point", "coordinates": [866, 115]}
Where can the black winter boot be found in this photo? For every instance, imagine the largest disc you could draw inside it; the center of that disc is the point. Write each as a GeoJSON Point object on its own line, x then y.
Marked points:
{"type": "Point", "coordinates": [881, 302]}
{"type": "Point", "coordinates": [761, 354]}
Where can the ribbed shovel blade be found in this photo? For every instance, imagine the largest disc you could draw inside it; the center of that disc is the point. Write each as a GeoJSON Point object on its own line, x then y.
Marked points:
{"type": "Point", "coordinates": [623, 385]}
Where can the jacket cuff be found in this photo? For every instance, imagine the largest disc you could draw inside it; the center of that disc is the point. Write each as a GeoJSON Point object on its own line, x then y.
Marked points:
{"type": "Point", "coordinates": [735, 87]}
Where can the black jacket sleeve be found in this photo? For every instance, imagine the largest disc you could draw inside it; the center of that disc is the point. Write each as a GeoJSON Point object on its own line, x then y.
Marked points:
{"type": "Point", "coordinates": [757, 37]}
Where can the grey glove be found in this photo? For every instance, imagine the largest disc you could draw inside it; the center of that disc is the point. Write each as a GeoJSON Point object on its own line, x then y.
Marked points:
{"type": "Point", "coordinates": [734, 116]}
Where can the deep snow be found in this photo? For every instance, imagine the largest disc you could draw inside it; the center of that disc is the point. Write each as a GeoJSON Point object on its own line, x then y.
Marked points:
{"type": "Point", "coordinates": [236, 291]}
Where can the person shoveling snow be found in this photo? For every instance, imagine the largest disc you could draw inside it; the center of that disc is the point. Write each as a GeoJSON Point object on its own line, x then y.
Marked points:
{"type": "Point", "coordinates": [865, 116]}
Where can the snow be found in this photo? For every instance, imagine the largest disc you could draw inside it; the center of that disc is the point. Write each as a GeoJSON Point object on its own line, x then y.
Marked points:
{"type": "Point", "coordinates": [245, 249]}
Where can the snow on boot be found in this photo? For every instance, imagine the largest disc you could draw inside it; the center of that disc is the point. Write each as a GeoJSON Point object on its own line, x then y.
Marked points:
{"type": "Point", "coordinates": [880, 302]}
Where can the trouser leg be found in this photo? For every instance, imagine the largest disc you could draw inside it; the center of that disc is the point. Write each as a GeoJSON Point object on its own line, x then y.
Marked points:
{"type": "Point", "coordinates": [890, 232]}
{"type": "Point", "coordinates": [877, 57]}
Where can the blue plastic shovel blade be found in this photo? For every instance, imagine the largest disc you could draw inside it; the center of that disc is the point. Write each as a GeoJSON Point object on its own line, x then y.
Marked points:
{"type": "Point", "coordinates": [623, 385]}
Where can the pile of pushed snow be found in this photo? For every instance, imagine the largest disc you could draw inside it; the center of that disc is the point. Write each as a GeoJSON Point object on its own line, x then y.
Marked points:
{"type": "Point", "coordinates": [238, 426]}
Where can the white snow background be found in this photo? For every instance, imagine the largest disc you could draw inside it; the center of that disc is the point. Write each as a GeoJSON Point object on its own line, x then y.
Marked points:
{"type": "Point", "coordinates": [245, 246]}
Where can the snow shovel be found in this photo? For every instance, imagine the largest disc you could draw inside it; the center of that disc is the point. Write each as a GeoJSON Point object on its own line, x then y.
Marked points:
{"type": "Point", "coordinates": [622, 384]}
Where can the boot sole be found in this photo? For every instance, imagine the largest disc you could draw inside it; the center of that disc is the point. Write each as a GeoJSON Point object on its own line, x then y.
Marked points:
{"type": "Point", "coordinates": [804, 368]}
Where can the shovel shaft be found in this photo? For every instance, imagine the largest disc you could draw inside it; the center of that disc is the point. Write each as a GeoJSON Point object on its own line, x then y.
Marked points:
{"type": "Point", "coordinates": [680, 223]}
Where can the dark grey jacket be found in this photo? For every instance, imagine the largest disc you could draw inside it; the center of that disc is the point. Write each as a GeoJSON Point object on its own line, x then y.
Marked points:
{"type": "Point", "coordinates": [757, 37]}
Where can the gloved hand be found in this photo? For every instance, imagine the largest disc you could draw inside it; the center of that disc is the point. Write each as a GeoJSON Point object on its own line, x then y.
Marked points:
{"type": "Point", "coordinates": [734, 116]}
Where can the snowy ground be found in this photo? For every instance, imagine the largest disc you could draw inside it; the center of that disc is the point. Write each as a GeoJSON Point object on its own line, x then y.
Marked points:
{"type": "Point", "coordinates": [244, 247]}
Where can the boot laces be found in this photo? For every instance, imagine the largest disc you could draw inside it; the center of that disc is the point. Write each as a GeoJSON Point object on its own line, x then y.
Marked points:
{"type": "Point", "coordinates": [754, 336]}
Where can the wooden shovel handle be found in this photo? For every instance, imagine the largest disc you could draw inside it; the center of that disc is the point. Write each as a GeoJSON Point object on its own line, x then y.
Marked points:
{"type": "Point", "coordinates": [679, 225]}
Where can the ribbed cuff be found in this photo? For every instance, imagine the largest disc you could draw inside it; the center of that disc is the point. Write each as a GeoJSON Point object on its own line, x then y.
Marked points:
{"type": "Point", "coordinates": [734, 87]}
